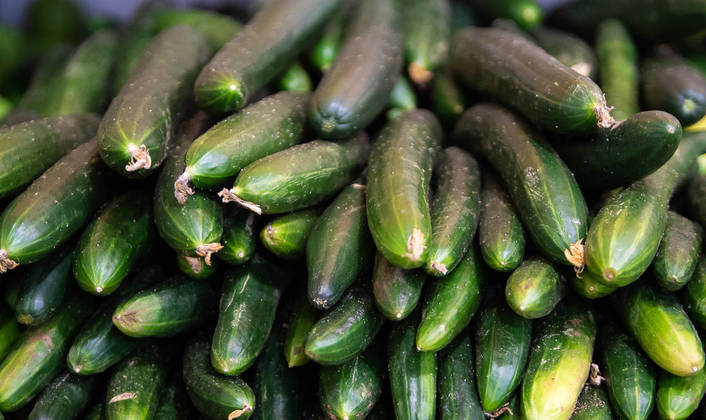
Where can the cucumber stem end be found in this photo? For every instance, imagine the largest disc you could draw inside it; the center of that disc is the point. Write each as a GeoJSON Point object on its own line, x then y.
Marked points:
{"type": "Point", "coordinates": [6, 264]}
{"type": "Point", "coordinates": [228, 196]}
{"type": "Point", "coordinates": [206, 250]}
{"type": "Point", "coordinates": [575, 255]}
{"type": "Point", "coordinates": [415, 245]}
{"type": "Point", "coordinates": [139, 158]}
{"type": "Point", "coordinates": [182, 189]}
{"type": "Point", "coordinates": [419, 74]}
{"type": "Point", "coordinates": [237, 413]}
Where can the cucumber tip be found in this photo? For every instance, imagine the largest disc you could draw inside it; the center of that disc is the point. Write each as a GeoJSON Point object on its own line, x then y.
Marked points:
{"type": "Point", "coordinates": [237, 413]}
{"type": "Point", "coordinates": [229, 196]}
{"type": "Point", "coordinates": [182, 188]}
{"type": "Point", "coordinates": [139, 158]}
{"type": "Point", "coordinates": [438, 267]}
{"type": "Point", "coordinates": [6, 264]}
{"type": "Point", "coordinates": [195, 264]}
{"type": "Point", "coordinates": [419, 74]}
{"type": "Point", "coordinates": [415, 245]}
{"type": "Point", "coordinates": [207, 250]}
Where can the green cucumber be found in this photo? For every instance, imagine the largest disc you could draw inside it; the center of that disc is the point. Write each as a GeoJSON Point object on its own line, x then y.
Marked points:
{"type": "Point", "coordinates": [215, 27]}
{"type": "Point", "coordinates": [559, 363]}
{"type": "Point", "coordinates": [339, 247]}
{"type": "Point", "coordinates": [64, 398]}
{"type": "Point", "coordinates": [402, 98]}
{"type": "Point", "coordinates": [662, 328]}
{"type": "Point", "coordinates": [34, 99]}
{"type": "Point", "coordinates": [509, 25]}
{"type": "Point", "coordinates": [696, 192]}
{"type": "Point", "coordinates": [9, 330]}
{"type": "Point", "coordinates": [276, 386]}
{"type": "Point", "coordinates": [587, 286]}
{"type": "Point", "coordinates": [450, 303]}
{"type": "Point", "coordinates": [113, 243]}
{"type": "Point", "coordinates": [38, 353]}
{"type": "Point", "coordinates": [295, 79]}
{"type": "Point", "coordinates": [426, 37]}
{"type": "Point", "coordinates": [346, 330]}
{"type": "Point", "coordinates": [678, 252]}
{"type": "Point", "coordinates": [554, 211]}
{"type": "Point", "coordinates": [500, 234]}
{"type": "Point", "coordinates": [356, 87]}
{"type": "Point", "coordinates": [447, 100]}
{"type": "Point", "coordinates": [526, 13]}
{"type": "Point", "coordinates": [53, 207]}
{"type": "Point", "coordinates": [396, 291]}
{"type": "Point", "coordinates": [502, 340]}
{"type": "Point", "coordinates": [249, 293]}
{"type": "Point", "coordinates": [593, 404]}
{"type": "Point", "coordinates": [399, 174]}
{"type": "Point", "coordinates": [569, 49]}
{"type": "Point", "coordinates": [238, 238]}
{"type": "Point", "coordinates": [28, 149]}
{"type": "Point", "coordinates": [678, 397]}
{"type": "Point", "coordinates": [280, 31]}
{"type": "Point", "coordinates": [458, 398]}
{"type": "Point", "coordinates": [173, 401]}
{"type": "Point", "coordinates": [550, 95]}
{"type": "Point", "coordinates": [299, 177]}
{"type": "Point", "coordinates": [617, 65]}
{"type": "Point", "coordinates": [134, 133]}
{"type": "Point", "coordinates": [694, 296]}
{"type": "Point", "coordinates": [261, 129]}
{"type": "Point", "coordinates": [194, 266]}
{"type": "Point", "coordinates": [326, 49]}
{"type": "Point", "coordinates": [286, 236]}
{"type": "Point", "coordinates": [454, 214]}
{"type": "Point", "coordinates": [534, 289]}
{"type": "Point", "coordinates": [302, 318]}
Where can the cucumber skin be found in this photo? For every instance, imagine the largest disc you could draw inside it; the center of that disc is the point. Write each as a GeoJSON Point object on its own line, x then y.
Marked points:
{"type": "Point", "coordinates": [326, 49]}
{"type": "Point", "coordinates": [526, 13]}
{"type": "Point", "coordinates": [173, 401]}
{"type": "Point", "coordinates": [259, 52]}
{"type": "Point", "coordinates": [302, 318]}
{"type": "Point", "coordinates": [696, 192]}
{"type": "Point", "coordinates": [618, 68]}
{"type": "Point", "coordinates": [9, 331]}
{"type": "Point", "coordinates": [458, 398]}
{"type": "Point", "coordinates": [238, 238]}
{"type": "Point", "coordinates": [218, 29]}
{"type": "Point", "coordinates": [276, 386]}
{"type": "Point", "coordinates": [66, 396]}
{"type": "Point", "coordinates": [590, 288]}
{"type": "Point", "coordinates": [402, 97]}
{"type": "Point", "coordinates": [356, 87]}
{"type": "Point", "coordinates": [593, 404]}
{"type": "Point", "coordinates": [533, 289]}
{"type": "Point", "coordinates": [694, 295]}
{"type": "Point", "coordinates": [678, 397]}
{"type": "Point", "coordinates": [569, 49]}
{"type": "Point", "coordinates": [447, 100]}
{"type": "Point", "coordinates": [286, 236]}
{"type": "Point", "coordinates": [396, 291]}
{"type": "Point", "coordinates": [678, 252]}
{"type": "Point", "coordinates": [295, 79]}
{"type": "Point", "coordinates": [352, 389]}
{"type": "Point", "coordinates": [34, 99]}
{"type": "Point", "coordinates": [399, 174]}
{"type": "Point", "coordinates": [427, 36]}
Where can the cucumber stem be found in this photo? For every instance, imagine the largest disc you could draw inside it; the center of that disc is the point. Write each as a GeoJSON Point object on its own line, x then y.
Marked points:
{"type": "Point", "coordinates": [237, 413]}
{"type": "Point", "coordinates": [439, 267]}
{"type": "Point", "coordinates": [602, 111]}
{"type": "Point", "coordinates": [419, 74]}
{"type": "Point", "coordinates": [206, 250]}
{"type": "Point", "coordinates": [6, 264]}
{"type": "Point", "coordinates": [123, 396]}
{"type": "Point", "coordinates": [195, 264]}
{"type": "Point", "coordinates": [139, 158]}
{"type": "Point", "coordinates": [228, 196]}
{"type": "Point", "coordinates": [594, 377]}
{"type": "Point", "coordinates": [182, 190]}
{"type": "Point", "coordinates": [575, 255]}
{"type": "Point", "coordinates": [415, 245]}
{"type": "Point", "coordinates": [500, 411]}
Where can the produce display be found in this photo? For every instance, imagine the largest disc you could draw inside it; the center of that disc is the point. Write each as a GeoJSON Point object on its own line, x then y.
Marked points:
{"type": "Point", "coordinates": [354, 209]}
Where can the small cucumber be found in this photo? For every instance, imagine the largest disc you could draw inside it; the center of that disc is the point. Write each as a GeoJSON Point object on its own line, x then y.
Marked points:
{"type": "Point", "coordinates": [346, 330]}
{"type": "Point", "coordinates": [215, 27]}
{"type": "Point", "coordinates": [399, 174]}
{"type": "Point", "coordinates": [194, 266]}
{"type": "Point", "coordinates": [302, 318]}
{"type": "Point", "coordinates": [238, 239]}
{"type": "Point", "coordinates": [426, 37]}
{"type": "Point", "coordinates": [299, 177]}
{"type": "Point", "coordinates": [173, 401]}
{"type": "Point", "coordinates": [526, 13]}
{"type": "Point", "coordinates": [64, 398]}
{"type": "Point", "coordinates": [9, 330]}
{"type": "Point", "coordinates": [694, 296]}
{"type": "Point", "coordinates": [618, 68]}
{"type": "Point", "coordinates": [587, 286]}
{"type": "Point", "coordinates": [569, 49]}
{"type": "Point", "coordinates": [447, 100]}
{"type": "Point", "coordinates": [678, 397]}
{"type": "Point", "coordinates": [678, 252]}
{"type": "Point", "coordinates": [277, 389]}
{"type": "Point", "coordinates": [534, 289]}
{"type": "Point", "coordinates": [286, 236]}
{"type": "Point", "coordinates": [458, 398]}
{"type": "Point", "coordinates": [593, 404]}
{"type": "Point", "coordinates": [450, 303]}
{"type": "Point", "coordinates": [326, 49]}
{"type": "Point", "coordinates": [295, 79]}
{"type": "Point", "coordinates": [396, 291]}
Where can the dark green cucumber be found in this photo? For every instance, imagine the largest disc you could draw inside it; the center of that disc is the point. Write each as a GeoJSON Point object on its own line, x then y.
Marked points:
{"type": "Point", "coordinates": [454, 214]}
{"type": "Point", "coordinates": [100, 345]}
{"type": "Point", "coordinates": [402, 98]}
{"type": "Point", "coordinates": [624, 153]}
{"type": "Point", "coordinates": [550, 95]}
{"type": "Point", "coordinates": [339, 247]}
{"type": "Point", "coordinates": [346, 330]}
{"type": "Point", "coordinates": [64, 398]}
{"type": "Point", "coordinates": [559, 363]}
{"type": "Point", "coordinates": [694, 296]}
{"type": "Point", "coordinates": [569, 49]}
{"type": "Point", "coordinates": [238, 237]}
{"type": "Point", "coordinates": [135, 384]}
{"type": "Point", "coordinates": [399, 174]}
{"type": "Point", "coordinates": [299, 177]}
{"type": "Point", "coordinates": [28, 149]}
{"type": "Point", "coordinates": [426, 37]}
{"type": "Point", "coordinates": [678, 252]}
{"type": "Point", "coordinates": [326, 49]}
{"type": "Point", "coordinates": [249, 293]}
{"type": "Point", "coordinates": [447, 100]}
{"type": "Point", "coordinates": [553, 209]}
{"type": "Point", "coordinates": [277, 389]}
{"type": "Point", "coordinates": [412, 373]}
{"type": "Point", "coordinates": [617, 60]}
{"type": "Point", "coordinates": [38, 354]}
{"type": "Point", "coordinates": [356, 88]}
{"type": "Point", "coordinates": [53, 207]}
{"type": "Point", "coordinates": [526, 13]}
{"type": "Point", "coordinates": [587, 286]}
{"type": "Point", "coordinates": [215, 27]}
{"type": "Point", "coordinates": [593, 404]}
{"type": "Point", "coordinates": [660, 325]}
{"type": "Point", "coordinates": [678, 397]}
{"type": "Point", "coordinates": [396, 291]}
{"type": "Point", "coordinates": [280, 31]}
{"type": "Point", "coordinates": [114, 242]}
{"type": "Point", "coordinates": [194, 266]}
{"type": "Point", "coordinates": [534, 289]}
{"type": "Point", "coordinates": [502, 341]}
{"type": "Point", "coordinates": [450, 303]}
{"type": "Point", "coordinates": [500, 234]}
{"type": "Point", "coordinates": [173, 401]}
{"type": "Point", "coordinates": [286, 236]}
{"type": "Point", "coordinates": [625, 234]}
{"type": "Point", "coordinates": [263, 128]}
{"type": "Point", "coordinates": [295, 79]}
{"type": "Point", "coordinates": [134, 133]}
{"type": "Point", "coordinates": [9, 330]}
{"type": "Point", "coordinates": [303, 317]}
{"type": "Point", "coordinates": [458, 398]}
{"type": "Point", "coordinates": [34, 99]}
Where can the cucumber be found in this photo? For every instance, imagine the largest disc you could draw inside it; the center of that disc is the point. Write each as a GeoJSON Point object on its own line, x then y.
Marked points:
{"type": "Point", "coordinates": [534, 289]}
{"type": "Point", "coordinates": [618, 68]}
{"type": "Point", "coordinates": [396, 291]}
{"type": "Point", "coordinates": [173, 401]}
{"type": "Point", "coordinates": [402, 98]}
{"type": "Point", "coordinates": [34, 98]}
{"type": "Point", "coordinates": [500, 234]}
{"type": "Point", "coordinates": [346, 330]}
{"type": "Point", "coordinates": [9, 331]}
{"type": "Point", "coordinates": [454, 215]}
{"type": "Point", "coordinates": [502, 341]}
{"type": "Point", "coordinates": [662, 328]}
{"type": "Point", "coordinates": [276, 386]}
{"type": "Point", "coordinates": [250, 293]}
{"type": "Point", "coordinates": [64, 398]}
{"type": "Point", "coordinates": [135, 384]}
{"type": "Point", "coordinates": [510, 26]}
{"type": "Point", "coordinates": [624, 153]}
{"type": "Point", "coordinates": [286, 236]}
{"type": "Point", "coordinates": [218, 29]}
{"type": "Point", "coordinates": [302, 318]}
{"type": "Point", "coordinates": [54, 207]}
{"type": "Point", "coordinates": [426, 37]}
{"type": "Point", "coordinates": [299, 177]}
{"type": "Point", "coordinates": [550, 95]}
{"type": "Point", "coordinates": [554, 210]}
{"type": "Point", "coordinates": [678, 252]}
{"type": "Point", "coordinates": [194, 266]}
{"type": "Point", "coordinates": [694, 296]}
{"type": "Point", "coordinates": [526, 13]}
{"type": "Point", "coordinates": [412, 373]}
{"type": "Point", "coordinates": [238, 238]}
{"type": "Point", "coordinates": [326, 49]}
{"type": "Point", "coordinates": [51, 22]}
{"type": "Point", "coordinates": [590, 288]}
{"type": "Point", "coordinates": [447, 100]}
{"type": "Point", "coordinates": [450, 303]}
{"type": "Point", "coordinates": [339, 247]}
{"type": "Point", "coordinates": [280, 31]}
{"type": "Point", "coordinates": [214, 395]}
{"type": "Point", "coordinates": [263, 128]}
{"type": "Point", "coordinates": [559, 361]}
{"type": "Point", "coordinates": [458, 398]}
{"type": "Point", "coordinates": [95, 412]}
{"type": "Point", "coordinates": [112, 245]}
{"type": "Point", "coordinates": [399, 174]}
{"type": "Point", "coordinates": [592, 404]}
{"type": "Point", "coordinates": [678, 397]}
{"type": "Point", "coordinates": [134, 133]}
{"type": "Point", "coordinates": [356, 87]}
{"type": "Point", "coordinates": [696, 191]}
{"type": "Point", "coordinates": [295, 79]}
{"type": "Point", "coordinates": [625, 234]}
{"type": "Point", "coordinates": [28, 149]}
{"type": "Point", "coordinates": [570, 50]}
{"type": "Point", "coordinates": [38, 353]}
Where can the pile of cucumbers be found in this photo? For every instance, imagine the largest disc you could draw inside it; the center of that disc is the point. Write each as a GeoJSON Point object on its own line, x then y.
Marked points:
{"type": "Point", "coordinates": [348, 209]}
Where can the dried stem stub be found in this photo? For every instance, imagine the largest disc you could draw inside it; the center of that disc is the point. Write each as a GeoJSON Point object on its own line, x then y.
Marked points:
{"type": "Point", "coordinates": [228, 196]}
{"type": "Point", "coordinates": [206, 250]}
{"type": "Point", "coordinates": [182, 188]}
{"type": "Point", "coordinates": [139, 158]}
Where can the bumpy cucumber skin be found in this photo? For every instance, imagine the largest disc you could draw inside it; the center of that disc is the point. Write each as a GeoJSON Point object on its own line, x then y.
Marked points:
{"type": "Point", "coordinates": [694, 296]}
{"type": "Point", "coordinates": [302, 318]}
{"type": "Point", "coordinates": [65, 397]}
{"type": "Point", "coordinates": [215, 27]}
{"type": "Point", "coordinates": [396, 291]}
{"type": "Point", "coordinates": [569, 49]}
{"type": "Point", "coordinates": [458, 398]}
{"type": "Point", "coordinates": [593, 404]}
{"type": "Point", "coordinates": [238, 239]}
{"type": "Point", "coordinates": [618, 68]}
{"type": "Point", "coordinates": [286, 236]}
{"type": "Point", "coordinates": [587, 286]}
{"type": "Point", "coordinates": [9, 331]}
{"type": "Point", "coordinates": [534, 289]}
{"type": "Point", "coordinates": [399, 173]}
{"type": "Point", "coordinates": [678, 252]}
{"type": "Point", "coordinates": [350, 390]}
{"type": "Point", "coordinates": [678, 397]}
{"type": "Point", "coordinates": [276, 386]}
{"type": "Point", "coordinates": [426, 37]}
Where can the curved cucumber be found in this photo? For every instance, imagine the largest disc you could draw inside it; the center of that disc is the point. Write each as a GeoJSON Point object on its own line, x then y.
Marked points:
{"type": "Point", "coordinates": [9, 331]}
{"type": "Point", "coordinates": [569, 49]}
{"type": "Point", "coordinates": [302, 318]}
{"type": "Point", "coordinates": [426, 37]}
{"type": "Point", "coordinates": [396, 291]}
{"type": "Point", "coordinates": [64, 398]}
{"type": "Point", "coordinates": [215, 27]}
{"type": "Point", "coordinates": [590, 288]}
{"type": "Point", "coordinates": [350, 390]}
{"type": "Point", "coordinates": [678, 252]}
{"type": "Point", "coordinates": [617, 65]}
{"type": "Point", "coordinates": [534, 289]}
{"type": "Point", "coordinates": [238, 238]}
{"type": "Point", "coordinates": [286, 236]}
{"type": "Point", "coordinates": [593, 404]}
{"type": "Point", "coordinates": [678, 397]}
{"type": "Point", "coordinates": [694, 296]}
{"type": "Point", "coordinates": [276, 386]}
{"type": "Point", "coordinates": [458, 398]}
